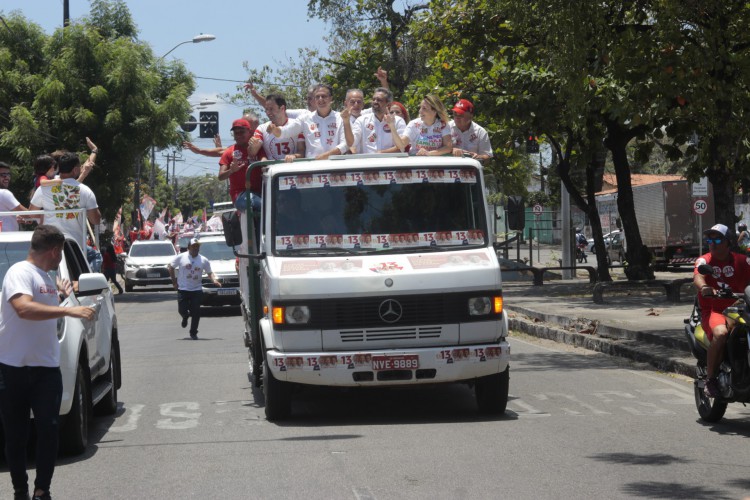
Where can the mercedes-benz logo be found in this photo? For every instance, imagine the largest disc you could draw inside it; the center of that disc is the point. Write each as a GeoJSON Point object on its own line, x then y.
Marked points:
{"type": "Point", "coordinates": [390, 311]}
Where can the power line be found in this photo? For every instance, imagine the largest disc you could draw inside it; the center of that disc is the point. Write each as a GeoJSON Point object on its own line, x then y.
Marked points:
{"type": "Point", "coordinates": [245, 81]}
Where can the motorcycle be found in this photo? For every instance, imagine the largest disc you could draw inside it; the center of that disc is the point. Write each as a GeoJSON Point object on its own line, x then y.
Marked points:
{"type": "Point", "coordinates": [734, 372]}
{"type": "Point", "coordinates": [581, 253]}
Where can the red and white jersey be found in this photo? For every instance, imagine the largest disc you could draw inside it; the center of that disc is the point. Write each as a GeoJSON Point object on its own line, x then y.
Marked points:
{"type": "Point", "coordinates": [474, 140]}
{"type": "Point", "coordinates": [372, 135]}
{"type": "Point", "coordinates": [322, 134]}
{"type": "Point", "coordinates": [277, 148]}
{"type": "Point", "coordinates": [429, 137]}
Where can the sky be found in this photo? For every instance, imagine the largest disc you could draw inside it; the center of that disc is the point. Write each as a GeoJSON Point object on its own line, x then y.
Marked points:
{"type": "Point", "coordinates": [262, 33]}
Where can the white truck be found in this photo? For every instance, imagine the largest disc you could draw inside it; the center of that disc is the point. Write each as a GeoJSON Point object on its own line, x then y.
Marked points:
{"type": "Point", "coordinates": [372, 271]}
{"type": "Point", "coordinates": [89, 350]}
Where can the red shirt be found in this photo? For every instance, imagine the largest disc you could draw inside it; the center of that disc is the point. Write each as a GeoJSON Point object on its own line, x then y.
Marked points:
{"type": "Point", "coordinates": [237, 179]}
{"type": "Point", "coordinates": [734, 271]}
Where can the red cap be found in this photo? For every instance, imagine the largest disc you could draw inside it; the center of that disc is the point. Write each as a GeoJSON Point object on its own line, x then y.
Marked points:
{"type": "Point", "coordinates": [241, 123]}
{"type": "Point", "coordinates": [463, 106]}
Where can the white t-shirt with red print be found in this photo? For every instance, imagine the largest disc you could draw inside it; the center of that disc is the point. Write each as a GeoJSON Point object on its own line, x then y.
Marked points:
{"type": "Point", "coordinates": [429, 137]}
{"type": "Point", "coordinates": [189, 271]}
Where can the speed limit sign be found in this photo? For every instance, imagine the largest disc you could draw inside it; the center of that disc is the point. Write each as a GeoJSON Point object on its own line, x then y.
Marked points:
{"type": "Point", "coordinates": [700, 206]}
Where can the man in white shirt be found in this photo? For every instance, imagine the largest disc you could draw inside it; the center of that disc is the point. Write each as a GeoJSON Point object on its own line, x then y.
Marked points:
{"type": "Point", "coordinates": [469, 138]}
{"type": "Point", "coordinates": [370, 133]}
{"type": "Point", "coordinates": [67, 193]}
{"type": "Point", "coordinates": [30, 379]}
{"type": "Point", "coordinates": [8, 202]}
{"type": "Point", "coordinates": [188, 282]}
{"type": "Point", "coordinates": [323, 129]}
{"type": "Point", "coordinates": [275, 148]}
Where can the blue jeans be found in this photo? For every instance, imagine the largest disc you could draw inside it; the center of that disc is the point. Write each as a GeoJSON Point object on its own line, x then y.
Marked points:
{"type": "Point", "coordinates": [22, 390]}
{"type": "Point", "coordinates": [189, 306]}
{"type": "Point", "coordinates": [241, 203]}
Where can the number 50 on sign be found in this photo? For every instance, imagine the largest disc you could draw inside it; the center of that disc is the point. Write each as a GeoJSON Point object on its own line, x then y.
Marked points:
{"type": "Point", "coordinates": [700, 207]}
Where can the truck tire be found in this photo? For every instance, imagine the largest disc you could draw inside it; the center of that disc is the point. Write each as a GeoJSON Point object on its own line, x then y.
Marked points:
{"type": "Point", "coordinates": [278, 396]}
{"type": "Point", "coordinates": [128, 286]}
{"type": "Point", "coordinates": [74, 431]}
{"type": "Point", "coordinates": [108, 404]}
{"type": "Point", "coordinates": [492, 393]}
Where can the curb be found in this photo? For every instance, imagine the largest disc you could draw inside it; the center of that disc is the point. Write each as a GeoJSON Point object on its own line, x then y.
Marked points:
{"type": "Point", "coordinates": [660, 357]}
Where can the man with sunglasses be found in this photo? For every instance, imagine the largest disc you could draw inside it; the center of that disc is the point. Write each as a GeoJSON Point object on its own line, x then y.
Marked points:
{"type": "Point", "coordinates": [234, 162]}
{"type": "Point", "coordinates": [732, 269]}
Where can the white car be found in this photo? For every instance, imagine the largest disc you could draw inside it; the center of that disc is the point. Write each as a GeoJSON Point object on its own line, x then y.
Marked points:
{"type": "Point", "coordinates": [147, 263]}
{"type": "Point", "coordinates": [607, 239]}
{"type": "Point", "coordinates": [223, 264]}
{"type": "Point", "coordinates": [89, 350]}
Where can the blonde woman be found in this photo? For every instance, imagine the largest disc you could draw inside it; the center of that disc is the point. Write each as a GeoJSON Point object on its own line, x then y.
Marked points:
{"type": "Point", "coordinates": [428, 135]}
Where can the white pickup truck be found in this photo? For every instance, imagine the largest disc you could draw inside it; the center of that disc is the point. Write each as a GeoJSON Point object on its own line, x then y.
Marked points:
{"type": "Point", "coordinates": [373, 271]}
{"type": "Point", "coordinates": [89, 350]}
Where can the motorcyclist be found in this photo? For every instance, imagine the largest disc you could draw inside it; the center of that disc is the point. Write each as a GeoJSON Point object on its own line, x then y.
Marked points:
{"type": "Point", "coordinates": [581, 244]}
{"type": "Point", "coordinates": [732, 269]}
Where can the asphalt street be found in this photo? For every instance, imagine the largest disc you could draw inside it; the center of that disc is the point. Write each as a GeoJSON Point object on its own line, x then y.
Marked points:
{"type": "Point", "coordinates": [579, 424]}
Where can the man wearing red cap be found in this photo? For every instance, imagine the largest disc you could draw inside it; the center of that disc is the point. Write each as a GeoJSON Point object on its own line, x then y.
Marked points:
{"type": "Point", "coordinates": [233, 166]}
{"type": "Point", "coordinates": [469, 138]}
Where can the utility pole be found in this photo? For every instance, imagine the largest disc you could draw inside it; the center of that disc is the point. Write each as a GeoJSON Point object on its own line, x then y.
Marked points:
{"type": "Point", "coordinates": [175, 157]}
{"type": "Point", "coordinates": [66, 13]}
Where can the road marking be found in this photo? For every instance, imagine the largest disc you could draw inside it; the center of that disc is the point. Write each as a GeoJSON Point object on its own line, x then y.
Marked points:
{"type": "Point", "coordinates": [574, 399]}
{"type": "Point", "coordinates": [169, 410]}
{"type": "Point", "coordinates": [132, 422]}
{"type": "Point", "coordinates": [527, 409]}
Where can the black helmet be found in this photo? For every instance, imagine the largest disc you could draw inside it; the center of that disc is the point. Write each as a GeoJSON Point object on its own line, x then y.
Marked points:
{"type": "Point", "coordinates": [742, 226]}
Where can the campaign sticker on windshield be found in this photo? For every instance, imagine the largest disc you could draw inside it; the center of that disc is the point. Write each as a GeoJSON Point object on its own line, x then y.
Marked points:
{"type": "Point", "coordinates": [378, 177]}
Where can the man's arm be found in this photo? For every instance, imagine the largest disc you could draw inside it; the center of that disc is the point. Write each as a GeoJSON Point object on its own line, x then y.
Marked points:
{"type": "Point", "coordinates": [94, 215]}
{"type": "Point", "coordinates": [213, 152]}
{"type": "Point", "coordinates": [259, 98]}
{"type": "Point", "coordinates": [170, 269]}
{"type": "Point", "coordinates": [26, 308]}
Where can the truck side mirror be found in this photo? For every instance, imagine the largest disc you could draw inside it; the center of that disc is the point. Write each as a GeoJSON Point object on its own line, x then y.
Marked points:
{"type": "Point", "coordinates": [231, 221]}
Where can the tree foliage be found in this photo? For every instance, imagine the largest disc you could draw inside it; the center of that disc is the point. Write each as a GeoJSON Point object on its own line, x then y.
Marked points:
{"type": "Point", "coordinates": [92, 78]}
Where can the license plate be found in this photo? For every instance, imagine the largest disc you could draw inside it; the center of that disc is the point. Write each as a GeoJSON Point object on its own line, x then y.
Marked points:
{"type": "Point", "coordinates": [228, 291]}
{"type": "Point", "coordinates": [403, 362]}
{"type": "Point", "coordinates": [152, 275]}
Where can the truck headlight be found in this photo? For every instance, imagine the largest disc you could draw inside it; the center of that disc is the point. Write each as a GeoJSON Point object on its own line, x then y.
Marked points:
{"type": "Point", "coordinates": [482, 306]}
{"type": "Point", "coordinates": [291, 315]}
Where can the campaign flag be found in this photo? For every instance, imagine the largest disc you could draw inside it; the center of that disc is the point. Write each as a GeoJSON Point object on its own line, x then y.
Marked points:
{"type": "Point", "coordinates": [147, 205]}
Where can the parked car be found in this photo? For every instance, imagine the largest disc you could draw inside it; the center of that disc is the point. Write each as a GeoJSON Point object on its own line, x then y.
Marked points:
{"type": "Point", "coordinates": [607, 239]}
{"type": "Point", "coordinates": [89, 350]}
{"type": "Point", "coordinates": [616, 248]}
{"type": "Point", "coordinates": [147, 263]}
{"type": "Point", "coordinates": [222, 258]}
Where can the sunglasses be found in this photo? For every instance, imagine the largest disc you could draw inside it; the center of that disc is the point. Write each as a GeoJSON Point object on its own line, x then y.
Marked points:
{"type": "Point", "coordinates": [715, 241]}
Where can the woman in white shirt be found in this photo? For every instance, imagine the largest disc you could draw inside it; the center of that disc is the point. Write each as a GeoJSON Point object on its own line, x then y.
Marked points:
{"type": "Point", "coordinates": [428, 135]}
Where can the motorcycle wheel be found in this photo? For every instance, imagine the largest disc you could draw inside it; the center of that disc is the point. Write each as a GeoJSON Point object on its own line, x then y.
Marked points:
{"type": "Point", "coordinates": [709, 409]}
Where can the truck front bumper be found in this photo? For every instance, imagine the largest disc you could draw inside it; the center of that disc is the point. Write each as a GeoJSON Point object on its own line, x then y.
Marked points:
{"type": "Point", "coordinates": [390, 367]}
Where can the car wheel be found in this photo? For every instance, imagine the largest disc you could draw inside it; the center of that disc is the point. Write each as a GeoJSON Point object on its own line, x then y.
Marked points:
{"type": "Point", "coordinates": [278, 396]}
{"type": "Point", "coordinates": [74, 432]}
{"type": "Point", "coordinates": [108, 405]}
{"type": "Point", "coordinates": [128, 286]}
{"type": "Point", "coordinates": [492, 393]}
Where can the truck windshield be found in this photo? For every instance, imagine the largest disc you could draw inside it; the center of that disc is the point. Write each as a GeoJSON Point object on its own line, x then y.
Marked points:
{"type": "Point", "coordinates": [379, 210]}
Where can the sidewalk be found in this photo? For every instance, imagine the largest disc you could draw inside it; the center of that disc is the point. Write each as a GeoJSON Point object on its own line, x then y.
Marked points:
{"type": "Point", "coordinates": [641, 325]}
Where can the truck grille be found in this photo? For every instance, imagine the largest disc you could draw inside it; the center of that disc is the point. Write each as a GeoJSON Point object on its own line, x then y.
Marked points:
{"type": "Point", "coordinates": [398, 316]}
{"type": "Point", "coordinates": [431, 332]}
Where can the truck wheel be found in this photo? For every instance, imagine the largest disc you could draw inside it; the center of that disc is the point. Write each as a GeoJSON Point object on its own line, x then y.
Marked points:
{"type": "Point", "coordinates": [709, 409]}
{"type": "Point", "coordinates": [492, 393]}
{"type": "Point", "coordinates": [74, 432]}
{"type": "Point", "coordinates": [278, 396]}
{"type": "Point", "coordinates": [108, 405]}
{"type": "Point", "coordinates": [128, 286]}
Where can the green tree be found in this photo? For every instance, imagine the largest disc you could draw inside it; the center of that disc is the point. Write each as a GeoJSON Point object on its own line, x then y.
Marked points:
{"type": "Point", "coordinates": [92, 78]}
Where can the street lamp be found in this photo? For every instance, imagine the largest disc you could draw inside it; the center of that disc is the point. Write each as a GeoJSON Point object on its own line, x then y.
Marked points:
{"type": "Point", "coordinates": [196, 39]}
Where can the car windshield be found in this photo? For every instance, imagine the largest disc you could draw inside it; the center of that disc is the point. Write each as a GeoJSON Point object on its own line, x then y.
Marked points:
{"type": "Point", "coordinates": [216, 250]}
{"type": "Point", "coordinates": [376, 210]}
{"type": "Point", "coordinates": [10, 253]}
{"type": "Point", "coordinates": [161, 250]}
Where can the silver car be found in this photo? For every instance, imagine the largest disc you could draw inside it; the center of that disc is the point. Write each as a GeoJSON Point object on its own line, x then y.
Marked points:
{"type": "Point", "coordinates": [223, 264]}
{"type": "Point", "coordinates": [147, 263]}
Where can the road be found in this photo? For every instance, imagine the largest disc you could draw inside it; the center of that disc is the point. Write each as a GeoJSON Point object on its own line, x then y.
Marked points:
{"type": "Point", "coordinates": [578, 425]}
